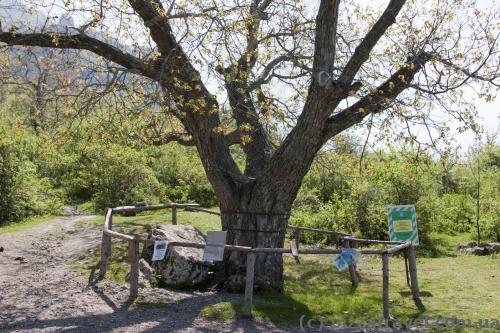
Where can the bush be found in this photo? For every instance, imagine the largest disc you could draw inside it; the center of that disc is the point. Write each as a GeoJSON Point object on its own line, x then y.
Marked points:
{"type": "Point", "coordinates": [181, 173]}
{"type": "Point", "coordinates": [7, 182]}
{"type": "Point", "coordinates": [456, 213]}
{"type": "Point", "coordinates": [358, 204]}
{"type": "Point", "coordinates": [23, 193]}
{"type": "Point", "coordinates": [369, 204]}
{"type": "Point", "coordinates": [119, 175]}
{"type": "Point", "coordinates": [490, 205]}
{"type": "Point", "coordinates": [336, 216]}
{"type": "Point", "coordinates": [33, 195]}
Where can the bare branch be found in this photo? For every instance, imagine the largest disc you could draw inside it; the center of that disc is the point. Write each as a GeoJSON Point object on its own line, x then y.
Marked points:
{"type": "Point", "coordinates": [378, 100]}
{"type": "Point", "coordinates": [79, 41]}
{"type": "Point", "coordinates": [363, 50]}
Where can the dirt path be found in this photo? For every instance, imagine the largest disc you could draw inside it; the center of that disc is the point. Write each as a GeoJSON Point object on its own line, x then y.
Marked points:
{"type": "Point", "coordinates": [40, 292]}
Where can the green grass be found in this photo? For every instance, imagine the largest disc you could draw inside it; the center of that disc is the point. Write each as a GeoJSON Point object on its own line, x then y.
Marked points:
{"type": "Point", "coordinates": [465, 287]}
{"type": "Point", "coordinates": [142, 223]}
{"type": "Point", "coordinates": [452, 285]}
{"type": "Point", "coordinates": [222, 311]}
{"type": "Point", "coordinates": [440, 245]}
{"type": "Point", "coordinates": [25, 224]}
{"type": "Point", "coordinates": [118, 265]}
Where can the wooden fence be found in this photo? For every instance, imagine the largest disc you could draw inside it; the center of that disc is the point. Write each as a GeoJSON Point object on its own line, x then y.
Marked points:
{"type": "Point", "coordinates": [348, 241]}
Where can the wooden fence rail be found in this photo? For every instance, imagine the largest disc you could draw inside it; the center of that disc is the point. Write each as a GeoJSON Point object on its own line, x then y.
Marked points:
{"type": "Point", "coordinates": [349, 241]}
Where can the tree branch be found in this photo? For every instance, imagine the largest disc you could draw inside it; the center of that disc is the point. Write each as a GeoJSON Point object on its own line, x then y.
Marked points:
{"type": "Point", "coordinates": [79, 41]}
{"type": "Point", "coordinates": [362, 51]}
{"type": "Point", "coordinates": [198, 108]}
{"type": "Point", "coordinates": [378, 100]}
{"type": "Point", "coordinates": [326, 37]}
{"type": "Point", "coordinates": [257, 146]}
{"type": "Point", "coordinates": [184, 139]}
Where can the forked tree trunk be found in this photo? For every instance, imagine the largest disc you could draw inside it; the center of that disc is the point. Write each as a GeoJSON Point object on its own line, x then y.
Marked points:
{"type": "Point", "coordinates": [254, 229]}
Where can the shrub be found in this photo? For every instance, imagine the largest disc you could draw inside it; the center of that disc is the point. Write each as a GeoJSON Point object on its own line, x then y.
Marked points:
{"type": "Point", "coordinates": [23, 192]}
{"type": "Point", "coordinates": [33, 195]}
{"type": "Point", "coordinates": [336, 216]}
{"type": "Point", "coordinates": [119, 175]}
{"type": "Point", "coordinates": [369, 204]}
{"type": "Point", "coordinates": [7, 182]}
{"type": "Point", "coordinates": [456, 213]}
{"type": "Point", "coordinates": [180, 171]}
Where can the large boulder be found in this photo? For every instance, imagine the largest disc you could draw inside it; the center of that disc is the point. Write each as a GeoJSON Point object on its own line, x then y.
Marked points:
{"type": "Point", "coordinates": [182, 266]}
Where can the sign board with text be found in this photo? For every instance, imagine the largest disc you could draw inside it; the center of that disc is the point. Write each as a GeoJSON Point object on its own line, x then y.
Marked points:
{"type": "Point", "coordinates": [402, 221]}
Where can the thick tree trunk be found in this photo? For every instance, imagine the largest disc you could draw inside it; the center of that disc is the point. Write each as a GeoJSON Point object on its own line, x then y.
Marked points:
{"type": "Point", "coordinates": [254, 229]}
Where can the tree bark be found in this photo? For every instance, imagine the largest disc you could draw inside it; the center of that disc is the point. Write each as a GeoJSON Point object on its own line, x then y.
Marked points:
{"type": "Point", "coordinates": [255, 218]}
{"type": "Point", "coordinates": [257, 230]}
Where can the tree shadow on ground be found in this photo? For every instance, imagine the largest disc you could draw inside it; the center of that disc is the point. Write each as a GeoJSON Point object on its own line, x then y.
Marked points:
{"type": "Point", "coordinates": [182, 315]}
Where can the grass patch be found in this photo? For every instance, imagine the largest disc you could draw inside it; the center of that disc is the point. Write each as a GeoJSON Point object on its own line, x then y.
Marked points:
{"type": "Point", "coordinates": [314, 288]}
{"type": "Point", "coordinates": [222, 311]}
{"type": "Point", "coordinates": [142, 223]}
{"type": "Point", "coordinates": [118, 265]}
{"type": "Point", "coordinates": [440, 245]}
{"type": "Point", "coordinates": [25, 224]}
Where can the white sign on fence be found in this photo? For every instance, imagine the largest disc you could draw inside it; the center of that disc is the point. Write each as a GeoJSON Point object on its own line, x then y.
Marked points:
{"type": "Point", "coordinates": [214, 248]}
{"type": "Point", "coordinates": [160, 250]}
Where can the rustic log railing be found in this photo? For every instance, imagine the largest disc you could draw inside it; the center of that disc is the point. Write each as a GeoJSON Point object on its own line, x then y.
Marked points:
{"type": "Point", "coordinates": [134, 242]}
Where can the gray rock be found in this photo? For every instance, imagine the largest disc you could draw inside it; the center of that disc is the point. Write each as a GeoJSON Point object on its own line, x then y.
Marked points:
{"type": "Point", "coordinates": [466, 250]}
{"type": "Point", "coordinates": [495, 247]}
{"type": "Point", "coordinates": [480, 251]}
{"type": "Point", "coordinates": [146, 270]}
{"type": "Point", "coordinates": [181, 266]}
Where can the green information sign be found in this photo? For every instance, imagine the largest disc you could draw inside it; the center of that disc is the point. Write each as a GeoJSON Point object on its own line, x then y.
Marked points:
{"type": "Point", "coordinates": [402, 223]}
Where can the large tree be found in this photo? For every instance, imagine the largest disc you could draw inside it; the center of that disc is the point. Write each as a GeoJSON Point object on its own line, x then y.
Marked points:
{"type": "Point", "coordinates": [280, 78]}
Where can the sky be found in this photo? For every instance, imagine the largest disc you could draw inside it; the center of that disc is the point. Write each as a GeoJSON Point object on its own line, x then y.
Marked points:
{"type": "Point", "coordinates": [489, 119]}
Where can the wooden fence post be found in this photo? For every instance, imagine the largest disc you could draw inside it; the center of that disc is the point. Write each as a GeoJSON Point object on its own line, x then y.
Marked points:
{"type": "Point", "coordinates": [105, 245]}
{"type": "Point", "coordinates": [412, 262]}
{"type": "Point", "coordinates": [352, 267]}
{"type": "Point", "coordinates": [134, 267]}
{"type": "Point", "coordinates": [294, 245]}
{"type": "Point", "coordinates": [247, 308]}
{"type": "Point", "coordinates": [385, 285]}
{"type": "Point", "coordinates": [174, 214]}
